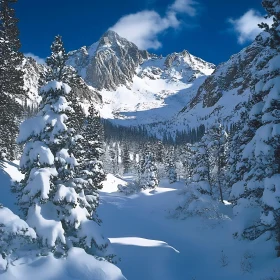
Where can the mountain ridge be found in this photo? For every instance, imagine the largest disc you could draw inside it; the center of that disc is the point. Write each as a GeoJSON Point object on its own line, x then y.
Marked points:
{"type": "Point", "coordinates": [176, 92]}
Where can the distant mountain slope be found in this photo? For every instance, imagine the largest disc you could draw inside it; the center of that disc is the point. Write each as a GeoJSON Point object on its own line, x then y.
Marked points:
{"type": "Point", "coordinates": [177, 92]}
{"type": "Point", "coordinates": [224, 93]}
{"type": "Point", "coordinates": [138, 87]}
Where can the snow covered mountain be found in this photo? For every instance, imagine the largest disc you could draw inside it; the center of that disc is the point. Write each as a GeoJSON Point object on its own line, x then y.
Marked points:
{"type": "Point", "coordinates": [167, 94]}
{"type": "Point", "coordinates": [225, 93]}
{"type": "Point", "coordinates": [128, 85]}
{"type": "Point", "coordinates": [178, 92]}
{"type": "Point", "coordinates": [138, 87]}
{"type": "Point", "coordinates": [108, 63]}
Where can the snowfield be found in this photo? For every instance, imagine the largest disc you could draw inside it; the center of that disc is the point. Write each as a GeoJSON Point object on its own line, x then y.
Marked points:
{"type": "Point", "coordinates": [152, 240]}
{"type": "Point", "coordinates": [154, 243]}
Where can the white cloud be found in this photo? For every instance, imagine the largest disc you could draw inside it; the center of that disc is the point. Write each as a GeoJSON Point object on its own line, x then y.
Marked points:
{"type": "Point", "coordinates": [185, 6]}
{"type": "Point", "coordinates": [143, 28]}
{"type": "Point", "coordinates": [246, 27]}
{"type": "Point", "coordinates": [36, 57]}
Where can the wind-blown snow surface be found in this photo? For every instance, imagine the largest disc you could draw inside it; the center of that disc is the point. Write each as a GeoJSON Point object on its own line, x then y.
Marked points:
{"type": "Point", "coordinates": [77, 266]}
{"type": "Point", "coordinates": [153, 244]}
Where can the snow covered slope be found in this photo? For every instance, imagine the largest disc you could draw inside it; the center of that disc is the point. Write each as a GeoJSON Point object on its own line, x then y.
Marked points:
{"type": "Point", "coordinates": [154, 244]}
{"type": "Point", "coordinates": [225, 93]}
{"type": "Point", "coordinates": [138, 87]}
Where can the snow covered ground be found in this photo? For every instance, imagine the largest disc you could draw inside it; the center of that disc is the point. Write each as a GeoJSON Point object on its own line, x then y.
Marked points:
{"type": "Point", "coordinates": [77, 266]}
{"type": "Point", "coordinates": [152, 243]}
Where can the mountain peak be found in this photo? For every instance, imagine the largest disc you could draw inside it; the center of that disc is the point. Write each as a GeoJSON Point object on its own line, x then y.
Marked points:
{"type": "Point", "coordinates": [109, 63]}
{"type": "Point", "coordinates": [109, 37]}
{"type": "Point", "coordinates": [184, 62]}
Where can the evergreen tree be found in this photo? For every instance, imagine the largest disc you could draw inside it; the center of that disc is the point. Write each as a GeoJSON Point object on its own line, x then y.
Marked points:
{"type": "Point", "coordinates": [11, 78]}
{"type": "Point", "coordinates": [53, 196]}
{"type": "Point", "coordinates": [202, 168]}
{"type": "Point", "coordinates": [258, 199]}
{"type": "Point", "coordinates": [111, 160]}
{"type": "Point", "coordinates": [218, 147]}
{"type": "Point", "coordinates": [58, 70]}
{"type": "Point", "coordinates": [188, 153]}
{"type": "Point", "coordinates": [14, 233]}
{"type": "Point", "coordinates": [272, 9]}
{"type": "Point", "coordinates": [171, 167]}
{"type": "Point", "coordinates": [147, 172]}
{"type": "Point", "coordinates": [93, 150]}
{"type": "Point", "coordinates": [126, 159]}
{"type": "Point", "coordinates": [239, 137]}
{"type": "Point", "coordinates": [159, 152]}
{"type": "Point", "coordinates": [199, 198]}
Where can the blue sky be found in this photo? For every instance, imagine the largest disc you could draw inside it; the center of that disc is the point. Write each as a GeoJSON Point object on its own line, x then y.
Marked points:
{"type": "Point", "coordinates": [210, 29]}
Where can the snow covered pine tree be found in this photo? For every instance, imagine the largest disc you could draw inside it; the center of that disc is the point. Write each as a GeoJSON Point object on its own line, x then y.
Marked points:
{"type": "Point", "coordinates": [91, 166]}
{"type": "Point", "coordinates": [53, 195]}
{"type": "Point", "coordinates": [148, 176]}
{"type": "Point", "coordinates": [126, 159]}
{"type": "Point", "coordinates": [171, 166]}
{"type": "Point", "coordinates": [11, 79]}
{"type": "Point", "coordinates": [258, 193]}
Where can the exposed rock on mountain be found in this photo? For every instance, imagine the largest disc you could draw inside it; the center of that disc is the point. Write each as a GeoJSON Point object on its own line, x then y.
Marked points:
{"type": "Point", "coordinates": [136, 86]}
{"type": "Point", "coordinates": [110, 62]}
{"type": "Point", "coordinates": [236, 73]}
{"type": "Point", "coordinates": [225, 93]}
{"type": "Point", "coordinates": [33, 78]}
{"type": "Point", "coordinates": [179, 92]}
{"type": "Point", "coordinates": [190, 67]}
{"type": "Point", "coordinates": [32, 72]}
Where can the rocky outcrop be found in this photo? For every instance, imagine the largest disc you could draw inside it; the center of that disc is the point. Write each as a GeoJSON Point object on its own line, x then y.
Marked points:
{"type": "Point", "coordinates": [34, 77]}
{"type": "Point", "coordinates": [237, 73]}
{"type": "Point", "coordinates": [110, 62]}
{"type": "Point", "coordinates": [189, 65]}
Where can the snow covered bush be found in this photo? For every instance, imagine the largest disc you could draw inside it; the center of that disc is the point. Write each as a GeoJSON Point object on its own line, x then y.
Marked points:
{"type": "Point", "coordinates": [130, 188]}
{"type": "Point", "coordinates": [194, 203]}
{"type": "Point", "coordinates": [14, 233]}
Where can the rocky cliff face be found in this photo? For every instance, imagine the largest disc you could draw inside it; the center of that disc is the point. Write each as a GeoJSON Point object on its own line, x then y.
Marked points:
{"type": "Point", "coordinates": [235, 74]}
{"type": "Point", "coordinates": [32, 73]}
{"type": "Point", "coordinates": [33, 80]}
{"type": "Point", "coordinates": [110, 62]}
